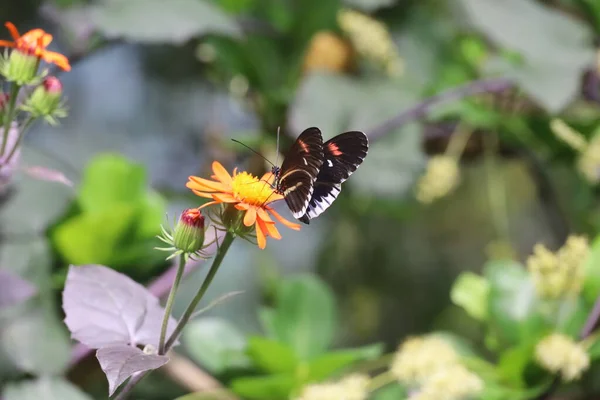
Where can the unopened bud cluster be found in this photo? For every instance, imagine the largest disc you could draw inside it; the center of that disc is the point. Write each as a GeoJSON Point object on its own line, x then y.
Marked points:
{"type": "Point", "coordinates": [372, 40]}
{"type": "Point", "coordinates": [559, 354]}
{"type": "Point", "coordinates": [433, 368]}
{"type": "Point", "coordinates": [352, 387]}
{"type": "Point", "coordinates": [440, 179]}
{"type": "Point", "coordinates": [558, 274]}
{"type": "Point", "coordinates": [588, 162]}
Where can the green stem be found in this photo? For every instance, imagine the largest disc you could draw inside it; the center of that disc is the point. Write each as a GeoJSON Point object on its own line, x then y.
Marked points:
{"type": "Point", "coordinates": [9, 116]}
{"type": "Point", "coordinates": [169, 305]}
{"type": "Point", "coordinates": [26, 126]}
{"type": "Point", "coordinates": [227, 240]}
{"type": "Point", "coordinates": [381, 380]}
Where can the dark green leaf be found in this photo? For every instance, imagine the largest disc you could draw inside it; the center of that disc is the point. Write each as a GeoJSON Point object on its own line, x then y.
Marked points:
{"type": "Point", "coordinates": [390, 392]}
{"type": "Point", "coordinates": [369, 5]}
{"type": "Point", "coordinates": [215, 344]}
{"type": "Point", "coordinates": [152, 21]}
{"type": "Point", "coordinates": [512, 363]}
{"type": "Point", "coordinates": [274, 387]}
{"type": "Point", "coordinates": [591, 285]}
{"type": "Point", "coordinates": [271, 356]}
{"type": "Point", "coordinates": [306, 316]}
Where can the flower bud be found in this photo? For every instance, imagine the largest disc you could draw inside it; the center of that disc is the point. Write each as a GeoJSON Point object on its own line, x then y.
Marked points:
{"type": "Point", "coordinates": [232, 219]}
{"type": "Point", "coordinates": [21, 66]}
{"type": "Point", "coordinates": [45, 100]}
{"type": "Point", "coordinates": [188, 235]}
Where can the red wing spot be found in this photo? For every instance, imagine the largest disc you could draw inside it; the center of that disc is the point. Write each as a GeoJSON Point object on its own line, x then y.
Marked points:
{"type": "Point", "coordinates": [304, 146]}
{"type": "Point", "coordinates": [334, 149]}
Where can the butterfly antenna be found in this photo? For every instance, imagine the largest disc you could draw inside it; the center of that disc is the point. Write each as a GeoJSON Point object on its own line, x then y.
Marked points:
{"type": "Point", "coordinates": [277, 156]}
{"type": "Point", "coordinates": [254, 151]}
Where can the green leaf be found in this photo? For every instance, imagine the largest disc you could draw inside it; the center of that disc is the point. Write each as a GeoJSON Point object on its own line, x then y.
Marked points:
{"type": "Point", "coordinates": [111, 180]}
{"type": "Point", "coordinates": [266, 316]}
{"type": "Point", "coordinates": [328, 364]}
{"type": "Point", "coordinates": [94, 238]}
{"type": "Point", "coordinates": [512, 363]}
{"type": "Point", "coordinates": [470, 291]}
{"type": "Point", "coordinates": [555, 48]}
{"type": "Point", "coordinates": [591, 284]}
{"type": "Point", "coordinates": [274, 387]}
{"type": "Point", "coordinates": [44, 388]}
{"type": "Point", "coordinates": [150, 21]}
{"type": "Point", "coordinates": [390, 392]}
{"type": "Point", "coordinates": [218, 394]}
{"type": "Point", "coordinates": [272, 356]}
{"type": "Point", "coordinates": [216, 344]}
{"type": "Point", "coordinates": [512, 305]}
{"type": "Point", "coordinates": [306, 316]}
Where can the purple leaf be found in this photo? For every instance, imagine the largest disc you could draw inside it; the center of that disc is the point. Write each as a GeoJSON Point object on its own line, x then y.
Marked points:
{"type": "Point", "coordinates": [119, 362]}
{"type": "Point", "coordinates": [48, 174]}
{"type": "Point", "coordinates": [13, 289]}
{"type": "Point", "coordinates": [105, 308]}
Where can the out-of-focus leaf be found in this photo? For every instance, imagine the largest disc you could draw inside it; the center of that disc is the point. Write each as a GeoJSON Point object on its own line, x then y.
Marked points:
{"type": "Point", "coordinates": [14, 289]}
{"type": "Point", "coordinates": [306, 316]}
{"type": "Point", "coordinates": [273, 387]}
{"type": "Point", "coordinates": [37, 344]}
{"type": "Point", "coordinates": [555, 47]}
{"type": "Point", "coordinates": [390, 392]}
{"type": "Point", "coordinates": [119, 362]}
{"type": "Point", "coordinates": [512, 363]}
{"type": "Point", "coordinates": [104, 308]}
{"type": "Point", "coordinates": [591, 284]}
{"type": "Point", "coordinates": [369, 5]}
{"type": "Point", "coordinates": [95, 237]}
{"type": "Point", "coordinates": [221, 394]}
{"type": "Point", "coordinates": [271, 356]}
{"type": "Point", "coordinates": [330, 363]}
{"type": "Point", "coordinates": [45, 388]}
{"type": "Point", "coordinates": [216, 344]}
{"type": "Point", "coordinates": [470, 291]}
{"type": "Point", "coordinates": [48, 174]}
{"type": "Point", "coordinates": [336, 103]}
{"type": "Point", "coordinates": [156, 21]}
{"type": "Point", "coordinates": [111, 180]}
{"type": "Point", "coordinates": [512, 303]}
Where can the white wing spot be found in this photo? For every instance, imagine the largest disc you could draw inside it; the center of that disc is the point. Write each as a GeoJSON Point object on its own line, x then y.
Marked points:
{"type": "Point", "coordinates": [305, 162]}
{"type": "Point", "coordinates": [329, 163]}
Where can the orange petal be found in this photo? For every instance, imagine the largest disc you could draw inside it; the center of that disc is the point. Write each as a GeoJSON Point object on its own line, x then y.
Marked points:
{"type": "Point", "coordinates": [5, 43]}
{"type": "Point", "coordinates": [260, 236]}
{"type": "Point", "coordinates": [284, 221]}
{"type": "Point", "coordinates": [205, 184]}
{"type": "Point", "coordinates": [224, 198]}
{"type": "Point", "coordinates": [242, 206]}
{"type": "Point", "coordinates": [13, 30]}
{"type": "Point", "coordinates": [56, 58]}
{"type": "Point", "coordinates": [272, 230]}
{"type": "Point", "coordinates": [262, 214]}
{"type": "Point", "coordinates": [221, 173]}
{"type": "Point", "coordinates": [46, 39]}
{"type": "Point", "coordinates": [33, 36]}
{"type": "Point", "coordinates": [210, 203]}
{"type": "Point", "coordinates": [250, 217]}
{"type": "Point", "coordinates": [202, 194]}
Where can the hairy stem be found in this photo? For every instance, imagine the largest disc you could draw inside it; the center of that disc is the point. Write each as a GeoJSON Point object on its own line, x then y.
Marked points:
{"type": "Point", "coordinates": [9, 116]}
{"type": "Point", "coordinates": [169, 305]}
{"type": "Point", "coordinates": [189, 311]}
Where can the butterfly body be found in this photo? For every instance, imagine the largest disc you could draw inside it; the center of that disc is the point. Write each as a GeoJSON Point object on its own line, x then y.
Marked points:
{"type": "Point", "coordinates": [312, 173]}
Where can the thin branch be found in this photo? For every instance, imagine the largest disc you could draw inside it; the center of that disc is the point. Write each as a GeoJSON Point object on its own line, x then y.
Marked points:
{"type": "Point", "coordinates": [420, 110]}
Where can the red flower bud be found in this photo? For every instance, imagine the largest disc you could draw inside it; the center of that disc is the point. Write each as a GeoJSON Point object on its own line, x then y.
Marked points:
{"type": "Point", "coordinates": [53, 85]}
{"type": "Point", "coordinates": [189, 231]}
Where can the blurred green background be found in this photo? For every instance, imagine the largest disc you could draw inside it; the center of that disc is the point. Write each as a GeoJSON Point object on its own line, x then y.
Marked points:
{"type": "Point", "coordinates": [158, 88]}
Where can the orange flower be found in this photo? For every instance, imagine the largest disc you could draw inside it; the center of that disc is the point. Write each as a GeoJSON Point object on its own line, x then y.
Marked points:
{"type": "Point", "coordinates": [246, 193]}
{"type": "Point", "coordinates": [35, 43]}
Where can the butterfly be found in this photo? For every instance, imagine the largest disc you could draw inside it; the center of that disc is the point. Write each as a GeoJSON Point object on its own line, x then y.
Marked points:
{"type": "Point", "coordinates": [311, 175]}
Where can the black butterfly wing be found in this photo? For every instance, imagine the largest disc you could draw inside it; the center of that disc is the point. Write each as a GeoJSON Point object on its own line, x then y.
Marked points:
{"type": "Point", "coordinates": [342, 155]}
{"type": "Point", "coordinates": [300, 169]}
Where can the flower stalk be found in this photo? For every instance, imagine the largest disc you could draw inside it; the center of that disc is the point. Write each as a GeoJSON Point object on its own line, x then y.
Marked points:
{"type": "Point", "coordinates": [169, 305]}
{"type": "Point", "coordinates": [9, 116]}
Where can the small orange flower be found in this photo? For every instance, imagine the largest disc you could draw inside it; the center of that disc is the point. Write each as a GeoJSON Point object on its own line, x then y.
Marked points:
{"type": "Point", "coordinates": [35, 42]}
{"type": "Point", "coordinates": [246, 193]}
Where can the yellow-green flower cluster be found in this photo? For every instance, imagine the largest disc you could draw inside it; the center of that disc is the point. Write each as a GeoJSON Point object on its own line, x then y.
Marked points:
{"type": "Point", "coordinates": [558, 353]}
{"type": "Point", "coordinates": [453, 383]}
{"type": "Point", "coordinates": [440, 179]}
{"type": "Point", "coordinates": [352, 387]}
{"type": "Point", "coordinates": [372, 40]}
{"type": "Point", "coordinates": [558, 274]}
{"type": "Point", "coordinates": [433, 366]}
{"type": "Point", "coordinates": [588, 163]}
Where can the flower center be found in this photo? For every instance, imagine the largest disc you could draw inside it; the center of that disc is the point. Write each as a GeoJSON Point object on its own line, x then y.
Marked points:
{"type": "Point", "coordinates": [251, 190]}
